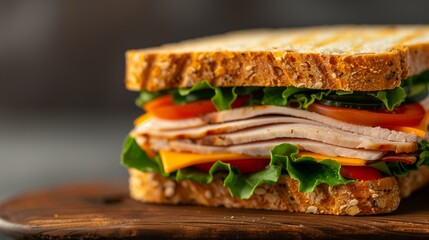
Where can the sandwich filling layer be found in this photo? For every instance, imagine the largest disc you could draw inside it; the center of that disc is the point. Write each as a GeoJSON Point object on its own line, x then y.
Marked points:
{"type": "Point", "coordinates": [253, 135]}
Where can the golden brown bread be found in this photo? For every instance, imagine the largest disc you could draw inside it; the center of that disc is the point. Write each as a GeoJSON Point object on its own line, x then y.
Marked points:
{"type": "Point", "coordinates": [360, 58]}
{"type": "Point", "coordinates": [359, 198]}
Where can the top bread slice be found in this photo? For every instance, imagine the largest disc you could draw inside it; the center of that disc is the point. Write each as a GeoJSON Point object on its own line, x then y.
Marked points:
{"type": "Point", "coordinates": [350, 58]}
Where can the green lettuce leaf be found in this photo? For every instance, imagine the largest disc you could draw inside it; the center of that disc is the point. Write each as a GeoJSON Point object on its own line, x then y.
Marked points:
{"type": "Point", "coordinates": [382, 167]}
{"type": "Point", "coordinates": [132, 156]}
{"type": "Point", "coordinates": [192, 97]}
{"type": "Point", "coordinates": [222, 97]}
{"type": "Point", "coordinates": [282, 96]}
{"type": "Point", "coordinates": [239, 185]}
{"type": "Point", "coordinates": [307, 170]}
{"type": "Point", "coordinates": [274, 96]}
{"type": "Point", "coordinates": [391, 98]}
{"type": "Point", "coordinates": [247, 90]}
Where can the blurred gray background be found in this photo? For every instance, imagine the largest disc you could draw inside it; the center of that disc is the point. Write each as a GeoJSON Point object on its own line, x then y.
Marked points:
{"type": "Point", "coordinates": [63, 108]}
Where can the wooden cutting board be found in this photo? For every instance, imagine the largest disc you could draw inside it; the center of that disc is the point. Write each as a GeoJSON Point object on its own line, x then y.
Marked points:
{"type": "Point", "coordinates": [92, 210]}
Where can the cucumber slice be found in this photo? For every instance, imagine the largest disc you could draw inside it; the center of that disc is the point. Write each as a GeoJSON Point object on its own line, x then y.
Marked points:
{"type": "Point", "coordinates": [363, 106]}
{"type": "Point", "coordinates": [356, 100]}
{"type": "Point", "coordinates": [353, 98]}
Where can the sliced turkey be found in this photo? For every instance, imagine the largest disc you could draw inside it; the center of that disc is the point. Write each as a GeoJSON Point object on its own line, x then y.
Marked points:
{"type": "Point", "coordinates": [227, 127]}
{"type": "Point", "coordinates": [307, 131]}
{"type": "Point", "coordinates": [263, 148]}
{"type": "Point", "coordinates": [249, 112]}
{"type": "Point", "coordinates": [162, 124]}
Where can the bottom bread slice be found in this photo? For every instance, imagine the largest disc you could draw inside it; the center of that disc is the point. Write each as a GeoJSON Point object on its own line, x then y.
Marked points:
{"type": "Point", "coordinates": [358, 198]}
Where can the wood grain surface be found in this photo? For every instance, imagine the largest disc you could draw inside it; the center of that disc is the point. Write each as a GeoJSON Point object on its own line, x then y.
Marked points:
{"type": "Point", "coordinates": [104, 210]}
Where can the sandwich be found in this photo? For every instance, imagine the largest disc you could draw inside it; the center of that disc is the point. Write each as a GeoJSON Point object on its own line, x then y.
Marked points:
{"type": "Point", "coordinates": [322, 120]}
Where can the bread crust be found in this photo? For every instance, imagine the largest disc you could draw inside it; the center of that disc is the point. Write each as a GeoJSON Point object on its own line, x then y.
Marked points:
{"type": "Point", "coordinates": [164, 68]}
{"type": "Point", "coordinates": [359, 198]}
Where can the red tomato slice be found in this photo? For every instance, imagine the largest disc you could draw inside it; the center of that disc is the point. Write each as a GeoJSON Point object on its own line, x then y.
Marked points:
{"type": "Point", "coordinates": [164, 107]}
{"type": "Point", "coordinates": [360, 172]}
{"type": "Point", "coordinates": [160, 101]}
{"type": "Point", "coordinates": [244, 166]}
{"type": "Point", "coordinates": [404, 115]}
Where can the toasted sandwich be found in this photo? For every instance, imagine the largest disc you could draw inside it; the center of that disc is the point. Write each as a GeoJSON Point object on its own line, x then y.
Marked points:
{"type": "Point", "coordinates": [323, 120]}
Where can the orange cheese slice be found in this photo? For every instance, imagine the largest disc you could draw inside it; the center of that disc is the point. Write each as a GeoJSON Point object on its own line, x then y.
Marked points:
{"type": "Point", "coordinates": [341, 160]}
{"type": "Point", "coordinates": [142, 118]}
{"type": "Point", "coordinates": [414, 130]}
{"type": "Point", "coordinates": [420, 130]}
{"type": "Point", "coordinates": [173, 161]}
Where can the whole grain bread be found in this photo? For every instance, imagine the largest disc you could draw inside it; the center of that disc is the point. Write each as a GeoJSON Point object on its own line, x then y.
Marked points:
{"type": "Point", "coordinates": [358, 58]}
{"type": "Point", "coordinates": [358, 198]}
